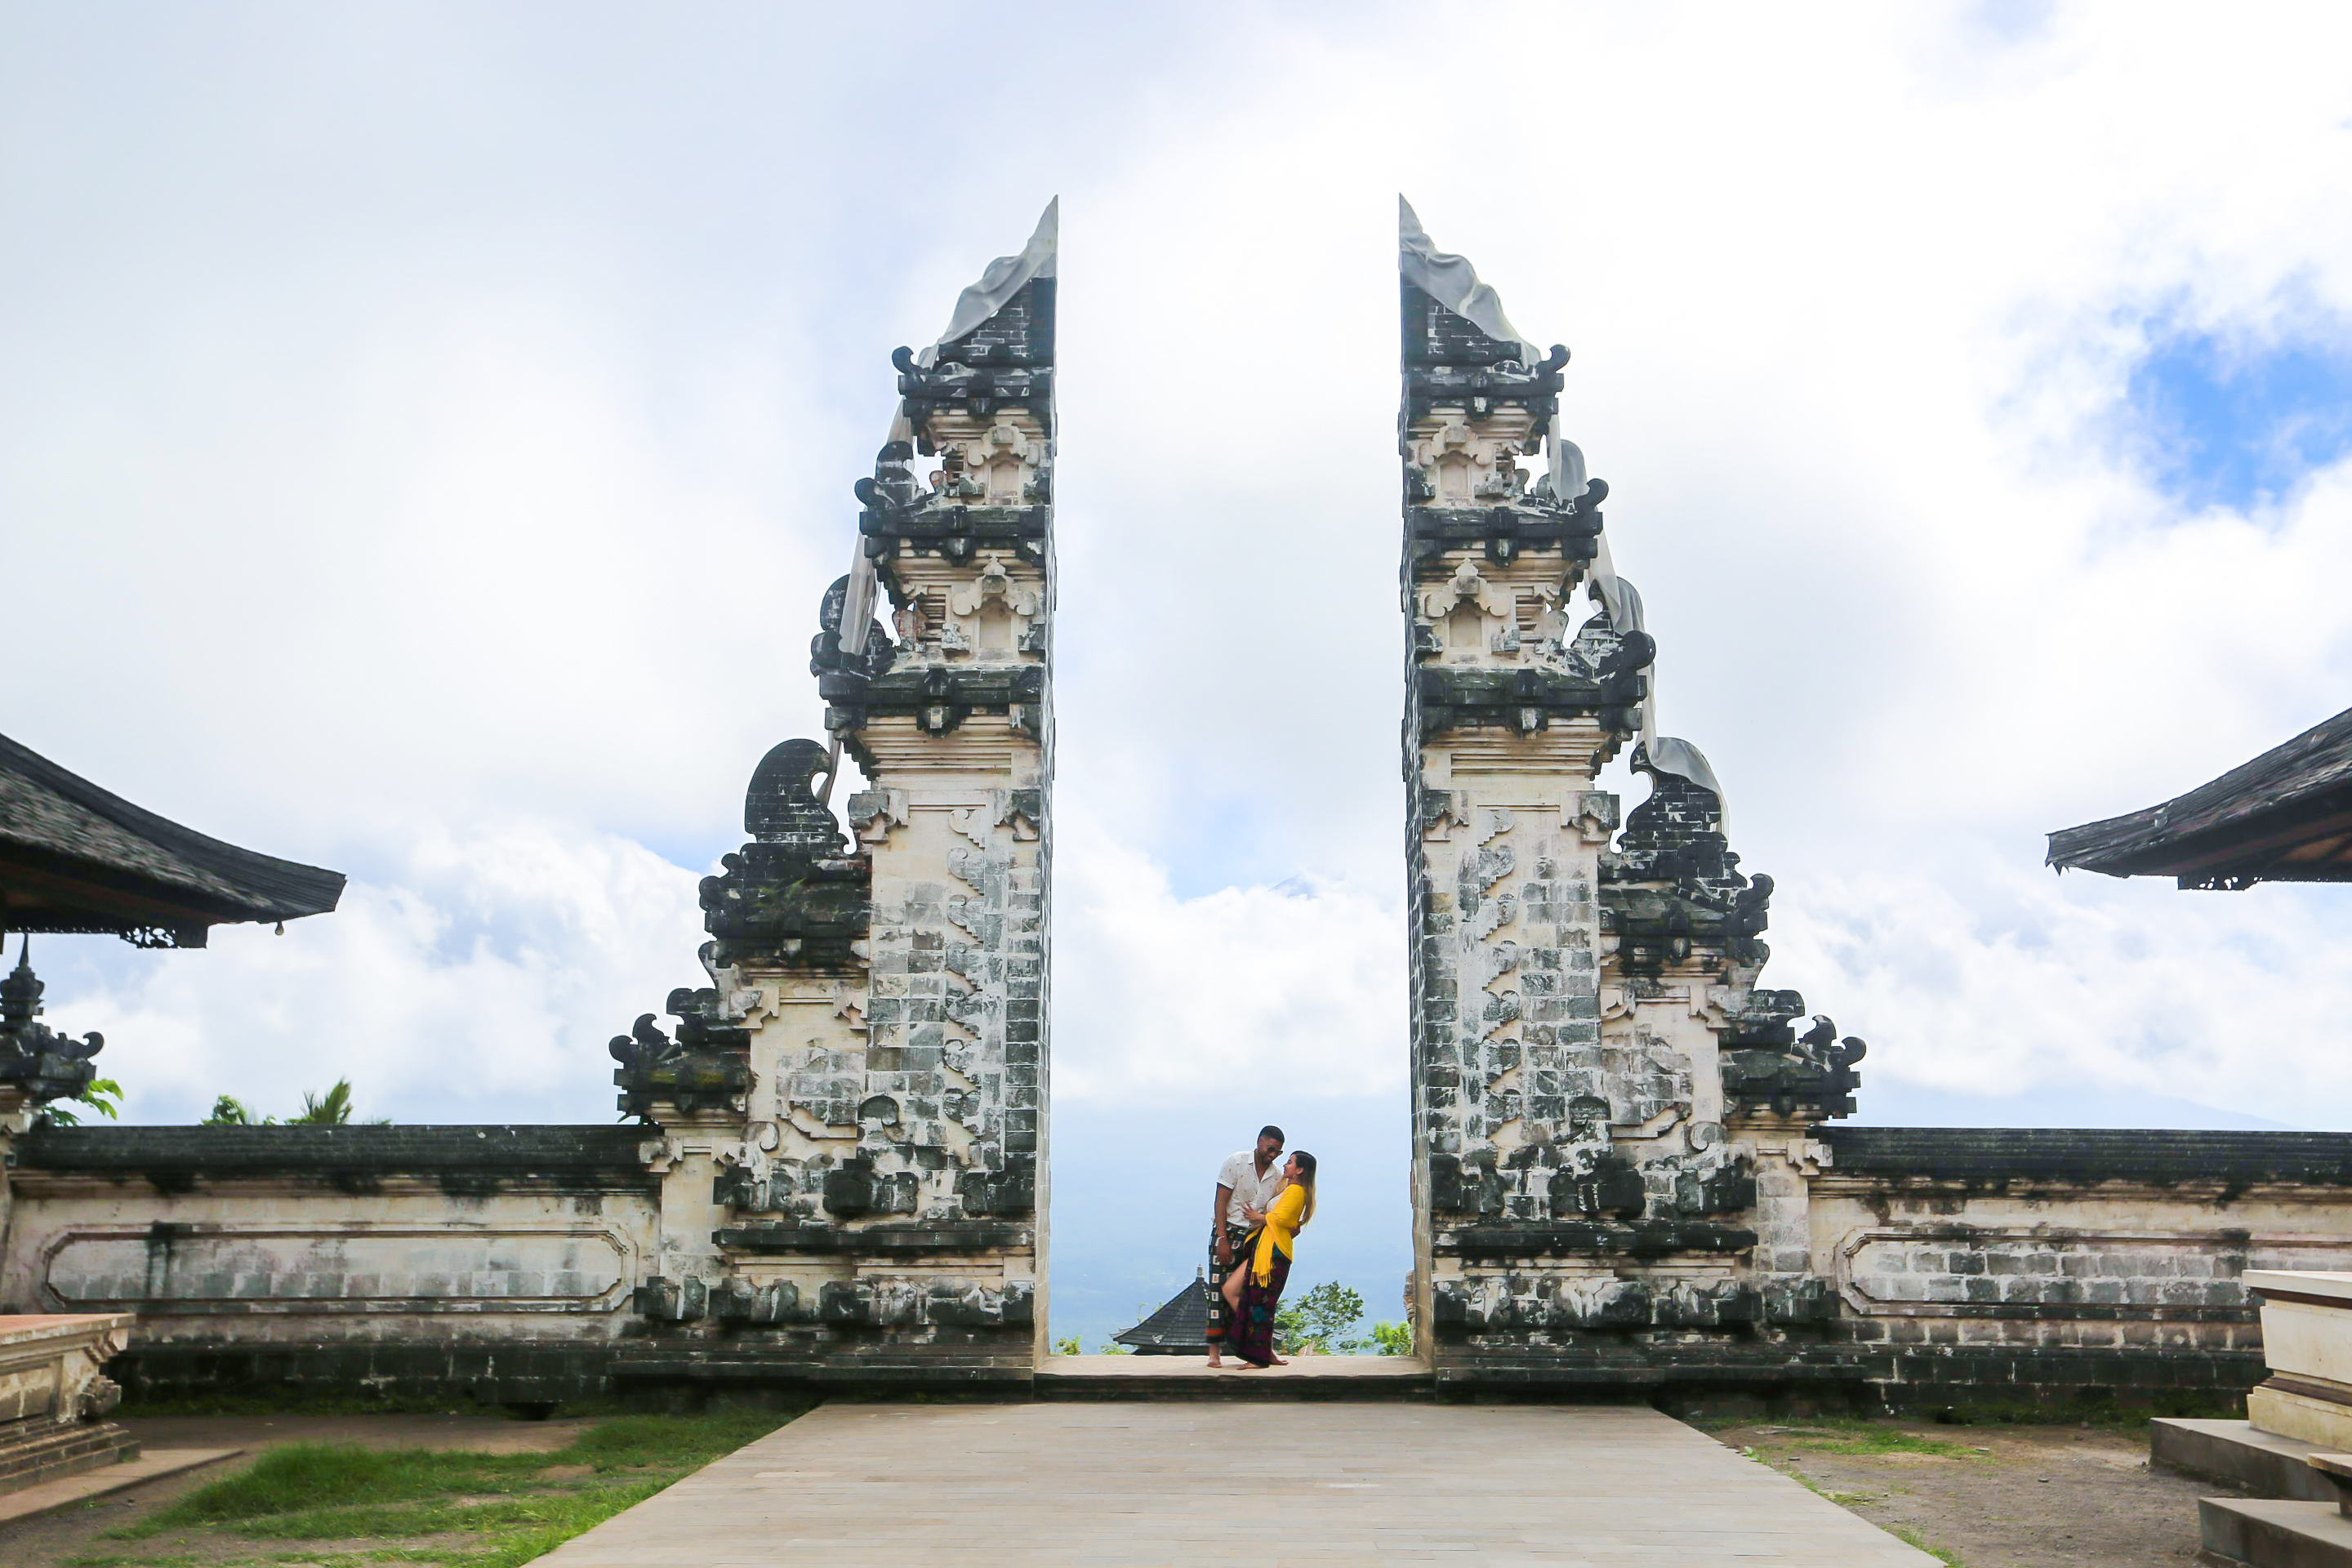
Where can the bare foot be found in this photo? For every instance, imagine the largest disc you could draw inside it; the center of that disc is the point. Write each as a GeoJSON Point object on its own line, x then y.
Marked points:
{"type": "Point", "coordinates": [1279, 1362]}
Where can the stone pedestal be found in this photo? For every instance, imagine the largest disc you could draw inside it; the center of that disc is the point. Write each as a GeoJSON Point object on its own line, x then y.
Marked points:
{"type": "Point", "coordinates": [2302, 1411]}
{"type": "Point", "coordinates": [54, 1394]}
{"type": "Point", "coordinates": [2307, 1344]}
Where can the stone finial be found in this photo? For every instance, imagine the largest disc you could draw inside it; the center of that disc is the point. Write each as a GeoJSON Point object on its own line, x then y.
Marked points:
{"type": "Point", "coordinates": [35, 1061]}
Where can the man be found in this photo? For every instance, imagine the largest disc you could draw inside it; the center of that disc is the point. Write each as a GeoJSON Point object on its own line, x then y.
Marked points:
{"type": "Point", "coordinates": [1247, 1183]}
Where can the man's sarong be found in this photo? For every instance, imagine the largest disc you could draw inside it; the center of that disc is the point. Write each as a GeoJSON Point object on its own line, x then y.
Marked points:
{"type": "Point", "coordinates": [1253, 1329]}
{"type": "Point", "coordinates": [1241, 1245]}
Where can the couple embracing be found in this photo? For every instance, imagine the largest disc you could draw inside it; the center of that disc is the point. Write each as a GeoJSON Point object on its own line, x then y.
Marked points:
{"type": "Point", "coordinates": [1263, 1200]}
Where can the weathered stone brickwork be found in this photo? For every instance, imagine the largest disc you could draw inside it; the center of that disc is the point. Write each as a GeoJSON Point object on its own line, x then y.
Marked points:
{"type": "Point", "coordinates": [1974, 1261]}
{"type": "Point", "coordinates": [854, 1111]}
{"type": "Point", "coordinates": [1580, 1194]}
{"type": "Point", "coordinates": [837, 1169]}
{"type": "Point", "coordinates": [1624, 1175]}
{"type": "Point", "coordinates": [501, 1261]}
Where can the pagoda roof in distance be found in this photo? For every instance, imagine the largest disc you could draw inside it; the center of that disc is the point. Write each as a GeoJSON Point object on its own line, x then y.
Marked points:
{"type": "Point", "coordinates": [75, 857]}
{"type": "Point", "coordinates": [1180, 1327]}
{"type": "Point", "coordinates": [2285, 816]}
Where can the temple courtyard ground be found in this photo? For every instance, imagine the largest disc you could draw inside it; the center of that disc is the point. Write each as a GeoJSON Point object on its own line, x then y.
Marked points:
{"type": "Point", "coordinates": [1183, 1482]}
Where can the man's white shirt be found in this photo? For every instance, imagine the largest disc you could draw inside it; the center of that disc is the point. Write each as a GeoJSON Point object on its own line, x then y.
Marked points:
{"type": "Point", "coordinates": [1240, 1172]}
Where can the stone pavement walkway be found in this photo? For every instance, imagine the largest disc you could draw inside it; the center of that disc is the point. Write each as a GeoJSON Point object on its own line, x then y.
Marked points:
{"type": "Point", "coordinates": [1119, 1484]}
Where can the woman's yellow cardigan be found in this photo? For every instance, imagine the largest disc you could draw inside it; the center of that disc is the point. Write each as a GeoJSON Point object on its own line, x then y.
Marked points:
{"type": "Point", "coordinates": [1283, 1218]}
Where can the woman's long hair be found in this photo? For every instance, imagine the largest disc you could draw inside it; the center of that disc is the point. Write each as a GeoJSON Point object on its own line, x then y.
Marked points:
{"type": "Point", "coordinates": [1305, 1179]}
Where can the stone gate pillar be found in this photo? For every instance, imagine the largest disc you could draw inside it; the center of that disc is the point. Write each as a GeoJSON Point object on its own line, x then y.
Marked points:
{"type": "Point", "coordinates": [1605, 1110]}
{"type": "Point", "coordinates": [852, 1115]}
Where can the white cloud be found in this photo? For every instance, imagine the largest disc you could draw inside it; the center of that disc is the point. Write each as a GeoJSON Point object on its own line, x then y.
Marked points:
{"type": "Point", "coordinates": [2011, 981]}
{"type": "Point", "coordinates": [479, 982]}
{"type": "Point", "coordinates": [477, 455]}
{"type": "Point", "coordinates": [1297, 989]}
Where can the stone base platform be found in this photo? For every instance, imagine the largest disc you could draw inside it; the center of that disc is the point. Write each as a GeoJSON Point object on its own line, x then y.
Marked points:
{"type": "Point", "coordinates": [2272, 1533]}
{"type": "Point", "coordinates": [1156, 1485]}
{"type": "Point", "coordinates": [35, 1451]}
{"type": "Point", "coordinates": [52, 1392]}
{"type": "Point", "coordinates": [2265, 1463]}
{"type": "Point", "coordinates": [64, 1491]}
{"type": "Point", "coordinates": [1316, 1377]}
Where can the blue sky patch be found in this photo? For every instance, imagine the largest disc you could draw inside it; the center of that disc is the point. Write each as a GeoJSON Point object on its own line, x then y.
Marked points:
{"type": "Point", "coordinates": [2227, 423]}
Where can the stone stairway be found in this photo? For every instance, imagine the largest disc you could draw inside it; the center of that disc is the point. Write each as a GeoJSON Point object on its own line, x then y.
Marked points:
{"type": "Point", "coordinates": [2295, 1452]}
{"type": "Point", "coordinates": [2283, 1533]}
{"type": "Point", "coordinates": [1305, 1378]}
{"type": "Point", "coordinates": [41, 1450]}
{"type": "Point", "coordinates": [2299, 1510]}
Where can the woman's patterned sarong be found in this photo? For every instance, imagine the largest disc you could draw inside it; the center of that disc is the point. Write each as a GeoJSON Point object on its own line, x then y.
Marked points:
{"type": "Point", "coordinates": [1239, 1245]}
{"type": "Point", "coordinates": [1252, 1332]}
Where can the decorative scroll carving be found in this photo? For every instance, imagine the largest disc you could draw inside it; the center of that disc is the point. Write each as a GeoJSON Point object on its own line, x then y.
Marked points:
{"type": "Point", "coordinates": [35, 1061]}
{"type": "Point", "coordinates": [792, 892]}
{"type": "Point", "coordinates": [1768, 1066]}
{"type": "Point", "coordinates": [1590, 1064]}
{"type": "Point", "coordinates": [704, 1070]}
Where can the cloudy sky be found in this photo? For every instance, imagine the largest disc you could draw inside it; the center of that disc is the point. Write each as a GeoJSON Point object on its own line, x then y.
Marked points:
{"type": "Point", "coordinates": [426, 431]}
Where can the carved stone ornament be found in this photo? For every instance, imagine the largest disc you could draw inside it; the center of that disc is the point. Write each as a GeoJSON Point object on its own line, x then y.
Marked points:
{"type": "Point", "coordinates": [792, 892]}
{"type": "Point", "coordinates": [38, 1063]}
{"type": "Point", "coordinates": [703, 1069]}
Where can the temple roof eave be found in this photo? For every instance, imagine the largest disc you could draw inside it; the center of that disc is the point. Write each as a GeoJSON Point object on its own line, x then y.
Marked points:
{"type": "Point", "coordinates": [2286, 815]}
{"type": "Point", "coordinates": [76, 857]}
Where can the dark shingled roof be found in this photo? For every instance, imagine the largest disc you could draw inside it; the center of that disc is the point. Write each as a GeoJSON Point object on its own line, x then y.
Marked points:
{"type": "Point", "coordinates": [74, 857]}
{"type": "Point", "coordinates": [1983, 1155]}
{"type": "Point", "coordinates": [2286, 817]}
{"type": "Point", "coordinates": [171, 1153]}
{"type": "Point", "coordinates": [1180, 1327]}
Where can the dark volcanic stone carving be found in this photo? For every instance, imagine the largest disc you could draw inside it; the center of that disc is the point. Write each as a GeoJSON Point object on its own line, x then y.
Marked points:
{"type": "Point", "coordinates": [1612, 1188]}
{"type": "Point", "coordinates": [703, 1069]}
{"type": "Point", "coordinates": [941, 696]}
{"type": "Point", "coordinates": [37, 1062]}
{"type": "Point", "coordinates": [1672, 885]}
{"type": "Point", "coordinates": [1506, 533]}
{"type": "Point", "coordinates": [1009, 1193]}
{"type": "Point", "coordinates": [793, 891]}
{"type": "Point", "coordinates": [840, 678]}
{"type": "Point", "coordinates": [1447, 360]}
{"type": "Point", "coordinates": [1005, 361]}
{"type": "Point", "coordinates": [1767, 1066]}
{"type": "Point", "coordinates": [1523, 699]}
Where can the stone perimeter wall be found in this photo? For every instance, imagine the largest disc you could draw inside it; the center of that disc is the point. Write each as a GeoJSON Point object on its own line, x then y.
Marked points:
{"type": "Point", "coordinates": [512, 1262]}
{"type": "Point", "coordinates": [502, 1261]}
{"type": "Point", "coordinates": [2042, 1264]}
{"type": "Point", "coordinates": [1624, 1179]}
{"type": "Point", "coordinates": [1624, 1173]}
{"type": "Point", "coordinates": [836, 1174]}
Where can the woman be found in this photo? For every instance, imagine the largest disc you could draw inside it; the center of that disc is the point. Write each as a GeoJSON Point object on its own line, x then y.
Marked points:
{"type": "Point", "coordinates": [1254, 1291]}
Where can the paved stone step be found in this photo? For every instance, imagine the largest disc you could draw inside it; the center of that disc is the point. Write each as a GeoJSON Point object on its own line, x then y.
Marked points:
{"type": "Point", "coordinates": [2273, 1533]}
{"type": "Point", "coordinates": [1305, 1378]}
{"type": "Point", "coordinates": [2265, 1464]}
{"type": "Point", "coordinates": [49, 1450]}
{"type": "Point", "coordinates": [1051, 1485]}
{"type": "Point", "coordinates": [66, 1490]}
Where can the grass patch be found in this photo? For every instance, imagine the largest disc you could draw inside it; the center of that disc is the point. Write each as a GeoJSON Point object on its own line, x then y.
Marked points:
{"type": "Point", "coordinates": [2098, 1414]}
{"type": "Point", "coordinates": [1910, 1537]}
{"type": "Point", "coordinates": [1866, 1439]}
{"type": "Point", "coordinates": [300, 1404]}
{"type": "Point", "coordinates": [347, 1402]}
{"type": "Point", "coordinates": [302, 1478]}
{"type": "Point", "coordinates": [504, 1509]}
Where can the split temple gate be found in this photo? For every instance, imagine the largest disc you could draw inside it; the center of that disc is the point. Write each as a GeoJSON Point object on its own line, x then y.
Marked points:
{"type": "Point", "coordinates": [1624, 1172]}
